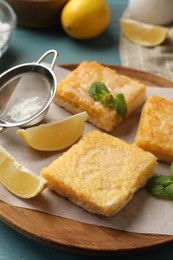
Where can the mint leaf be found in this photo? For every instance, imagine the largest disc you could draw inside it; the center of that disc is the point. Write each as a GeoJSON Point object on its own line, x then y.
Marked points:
{"type": "Point", "coordinates": [171, 171]}
{"type": "Point", "coordinates": [169, 191]}
{"type": "Point", "coordinates": [120, 105]}
{"type": "Point", "coordinates": [160, 180]}
{"type": "Point", "coordinates": [161, 186]}
{"type": "Point", "coordinates": [99, 92]}
{"type": "Point", "coordinates": [157, 190]}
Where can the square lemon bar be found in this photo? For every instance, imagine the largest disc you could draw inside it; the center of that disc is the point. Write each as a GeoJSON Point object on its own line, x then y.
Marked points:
{"type": "Point", "coordinates": [100, 173]}
{"type": "Point", "coordinates": [72, 93]}
{"type": "Point", "coordinates": [155, 130]}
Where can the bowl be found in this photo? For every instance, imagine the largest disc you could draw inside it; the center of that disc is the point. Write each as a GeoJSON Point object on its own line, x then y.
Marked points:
{"type": "Point", "coordinates": [37, 13]}
{"type": "Point", "coordinates": [158, 12]}
{"type": "Point", "coordinates": [7, 25]}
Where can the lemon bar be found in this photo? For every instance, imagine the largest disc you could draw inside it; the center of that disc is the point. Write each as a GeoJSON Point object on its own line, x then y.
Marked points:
{"type": "Point", "coordinates": [72, 93]}
{"type": "Point", "coordinates": [100, 173]}
{"type": "Point", "coordinates": [155, 130]}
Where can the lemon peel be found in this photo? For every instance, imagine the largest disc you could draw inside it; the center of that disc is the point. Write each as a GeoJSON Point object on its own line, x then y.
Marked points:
{"type": "Point", "coordinates": [55, 136]}
{"type": "Point", "coordinates": [142, 33]}
{"type": "Point", "coordinates": [17, 179]}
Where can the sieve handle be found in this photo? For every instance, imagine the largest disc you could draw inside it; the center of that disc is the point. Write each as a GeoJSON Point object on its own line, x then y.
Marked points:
{"type": "Point", "coordinates": [48, 53]}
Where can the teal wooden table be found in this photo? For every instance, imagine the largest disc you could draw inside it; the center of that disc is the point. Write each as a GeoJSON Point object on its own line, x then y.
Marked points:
{"type": "Point", "coordinates": [28, 45]}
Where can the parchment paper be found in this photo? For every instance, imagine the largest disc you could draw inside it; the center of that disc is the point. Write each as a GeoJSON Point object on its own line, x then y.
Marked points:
{"type": "Point", "coordinates": [143, 214]}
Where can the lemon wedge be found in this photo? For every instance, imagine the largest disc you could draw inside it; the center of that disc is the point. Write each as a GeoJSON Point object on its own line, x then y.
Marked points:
{"type": "Point", "coordinates": [55, 136]}
{"type": "Point", "coordinates": [19, 180]}
{"type": "Point", "coordinates": [142, 33]}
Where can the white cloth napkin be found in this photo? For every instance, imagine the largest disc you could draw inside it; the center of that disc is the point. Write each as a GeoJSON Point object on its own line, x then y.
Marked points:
{"type": "Point", "coordinates": [157, 60]}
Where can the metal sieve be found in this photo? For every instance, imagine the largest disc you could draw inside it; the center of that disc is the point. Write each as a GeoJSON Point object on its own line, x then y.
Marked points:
{"type": "Point", "coordinates": [26, 92]}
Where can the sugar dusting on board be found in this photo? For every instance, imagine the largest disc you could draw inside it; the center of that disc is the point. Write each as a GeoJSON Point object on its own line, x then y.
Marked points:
{"type": "Point", "coordinates": [25, 108]}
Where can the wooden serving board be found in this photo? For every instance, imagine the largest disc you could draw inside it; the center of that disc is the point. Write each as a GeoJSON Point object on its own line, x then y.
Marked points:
{"type": "Point", "coordinates": [79, 237]}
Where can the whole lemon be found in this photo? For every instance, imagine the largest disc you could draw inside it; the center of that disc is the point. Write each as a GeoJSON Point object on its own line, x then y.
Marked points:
{"type": "Point", "coordinates": [85, 19]}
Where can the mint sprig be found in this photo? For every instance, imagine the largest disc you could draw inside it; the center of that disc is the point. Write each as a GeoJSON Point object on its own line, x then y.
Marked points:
{"type": "Point", "coordinates": [161, 186]}
{"type": "Point", "coordinates": [100, 93]}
